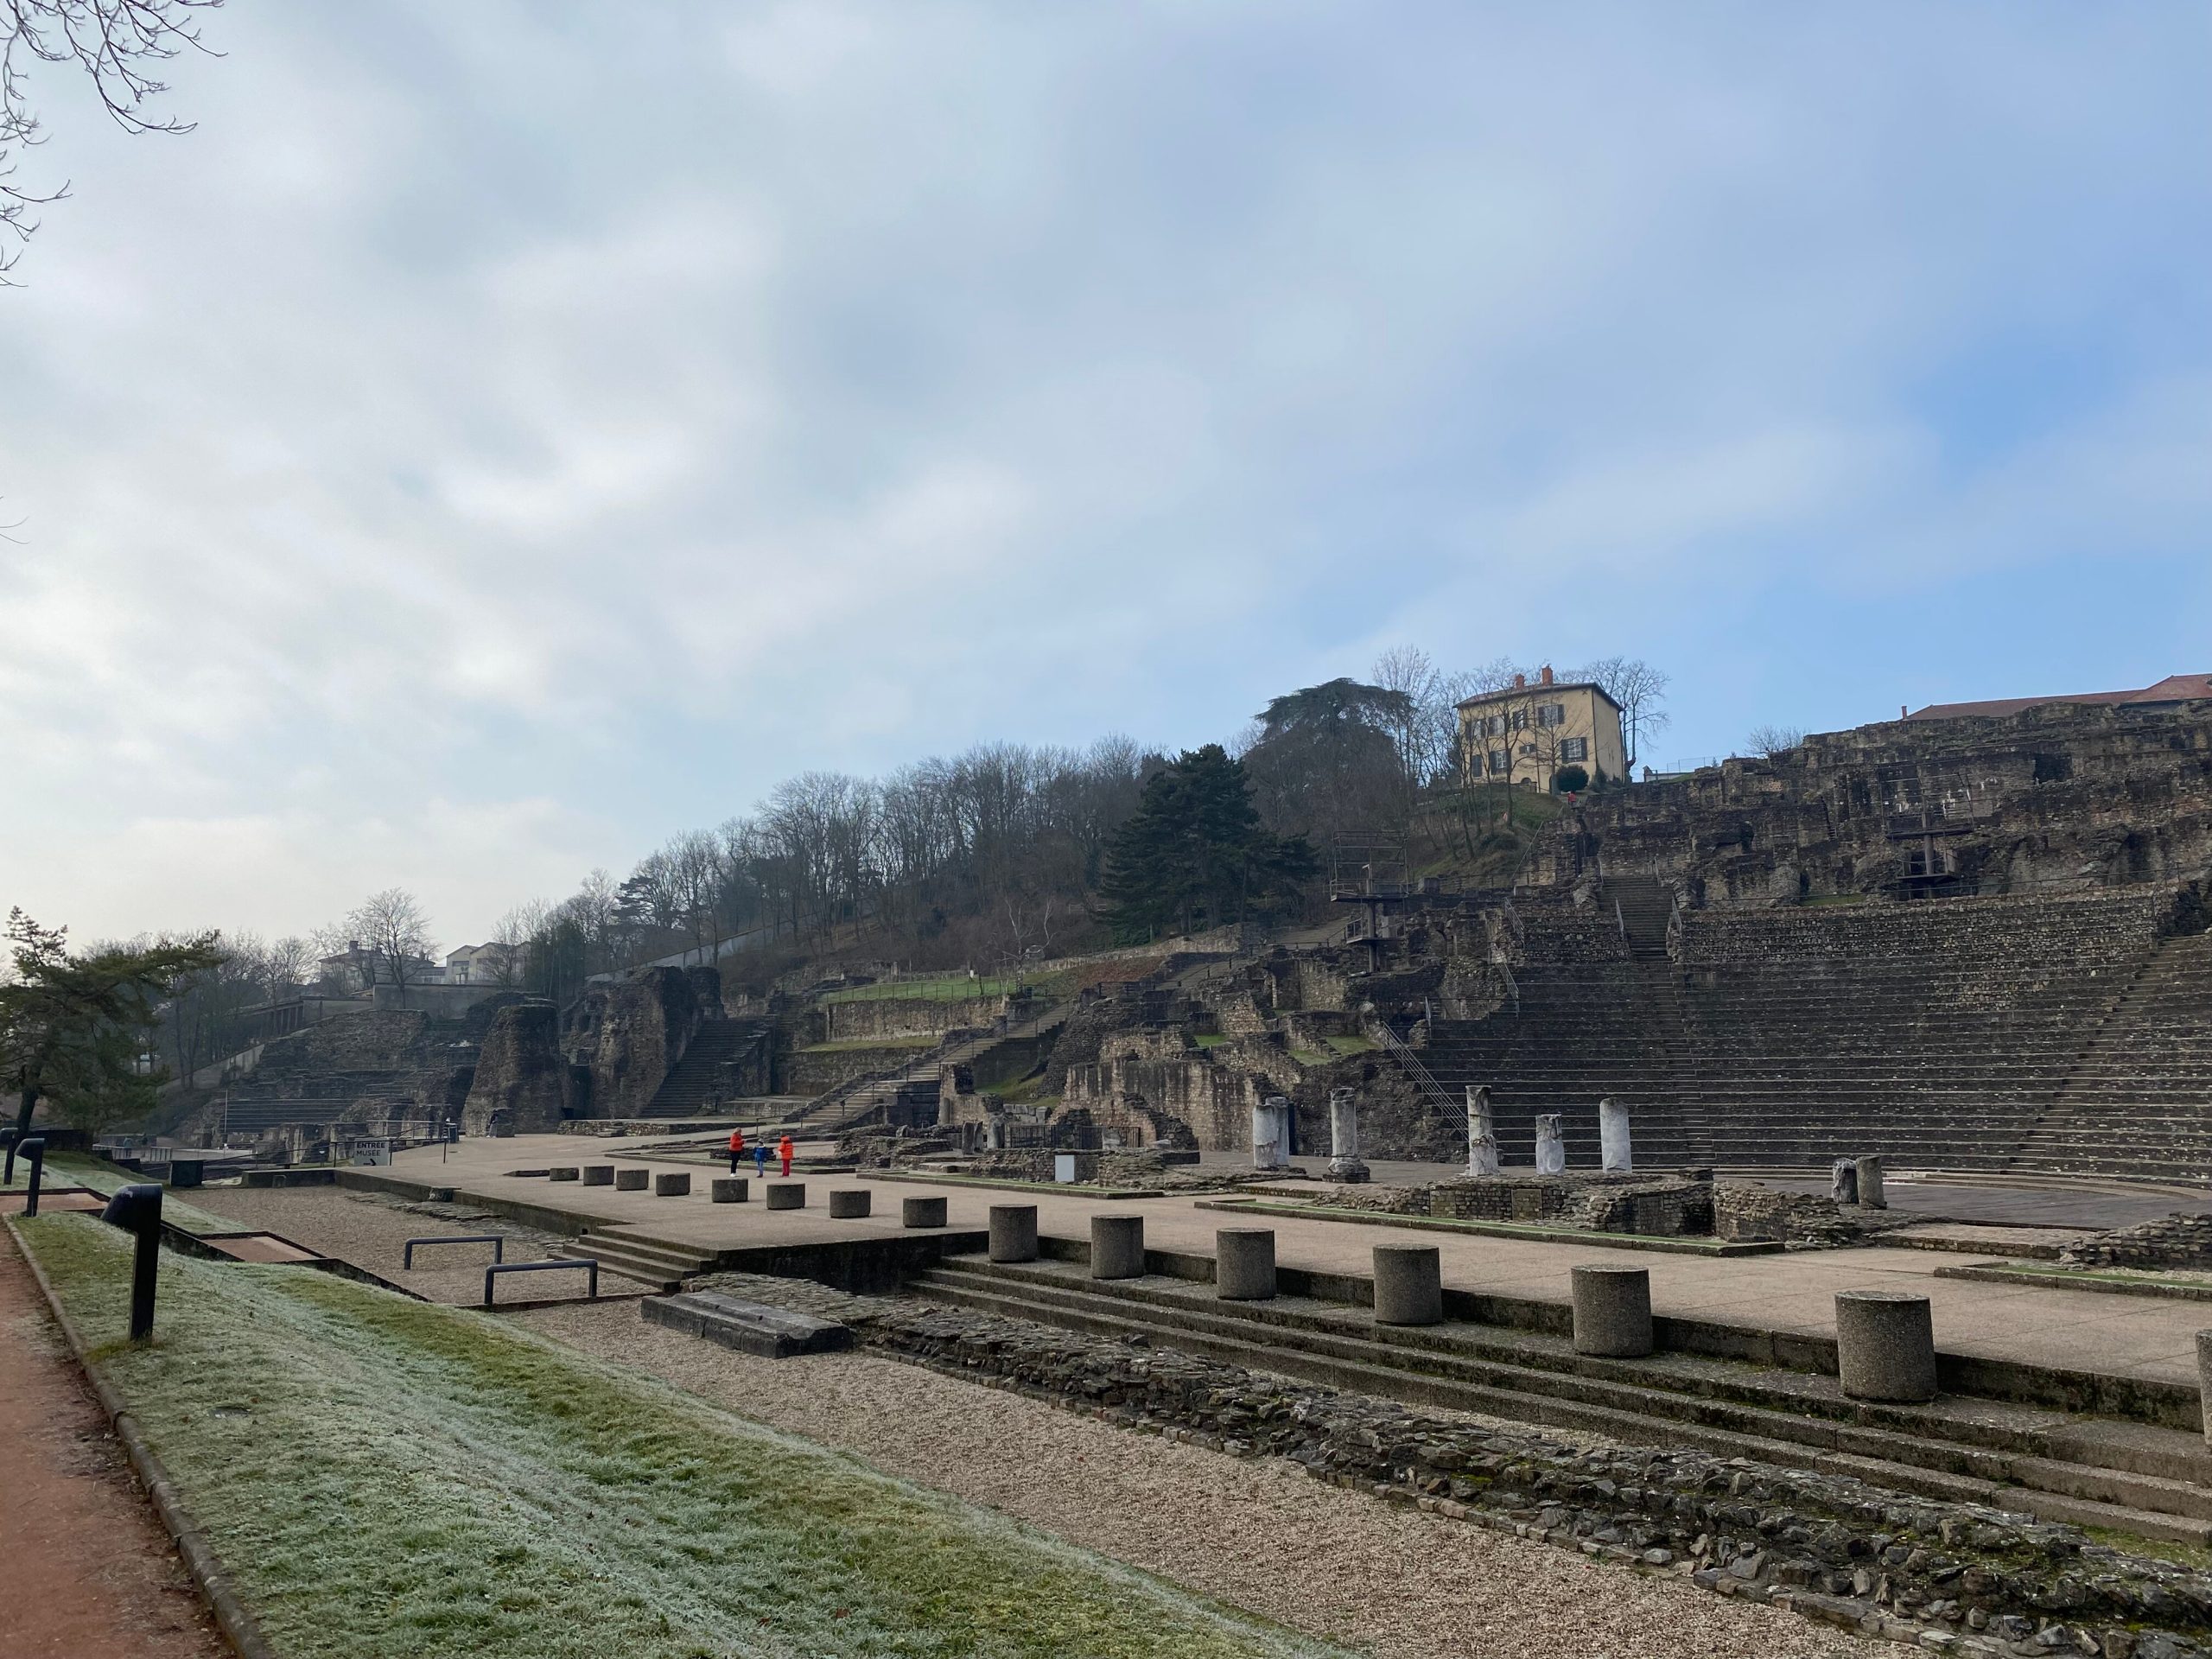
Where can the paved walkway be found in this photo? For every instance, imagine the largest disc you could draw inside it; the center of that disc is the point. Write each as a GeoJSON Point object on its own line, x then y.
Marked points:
{"type": "Point", "coordinates": [86, 1570]}
{"type": "Point", "coordinates": [2135, 1336]}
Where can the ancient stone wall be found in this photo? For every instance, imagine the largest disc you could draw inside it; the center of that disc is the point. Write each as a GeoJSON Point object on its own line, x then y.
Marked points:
{"type": "Point", "coordinates": [521, 1085]}
{"type": "Point", "coordinates": [2174, 1241]}
{"type": "Point", "coordinates": [629, 1033]}
{"type": "Point", "coordinates": [2060, 796]}
{"type": "Point", "coordinates": [906, 1016]}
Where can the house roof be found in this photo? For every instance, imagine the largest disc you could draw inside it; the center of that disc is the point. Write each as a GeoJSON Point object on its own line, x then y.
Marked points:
{"type": "Point", "coordinates": [1535, 686]}
{"type": "Point", "coordinates": [2175, 687]}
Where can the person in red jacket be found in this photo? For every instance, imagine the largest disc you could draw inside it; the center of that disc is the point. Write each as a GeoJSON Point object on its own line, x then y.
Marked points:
{"type": "Point", "coordinates": [736, 1148]}
{"type": "Point", "coordinates": [783, 1152]}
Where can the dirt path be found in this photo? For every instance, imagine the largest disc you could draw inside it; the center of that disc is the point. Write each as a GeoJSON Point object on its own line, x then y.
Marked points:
{"type": "Point", "coordinates": [86, 1570]}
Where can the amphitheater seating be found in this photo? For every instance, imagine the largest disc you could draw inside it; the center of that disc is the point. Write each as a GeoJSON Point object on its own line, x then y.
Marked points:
{"type": "Point", "coordinates": [1968, 1034]}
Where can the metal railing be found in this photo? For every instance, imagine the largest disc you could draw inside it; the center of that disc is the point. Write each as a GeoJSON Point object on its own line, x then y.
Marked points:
{"type": "Point", "coordinates": [1410, 1063]}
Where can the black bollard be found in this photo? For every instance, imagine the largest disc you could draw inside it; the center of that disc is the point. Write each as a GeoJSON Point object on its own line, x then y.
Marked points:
{"type": "Point", "coordinates": [34, 1150]}
{"type": "Point", "coordinates": [138, 1210]}
{"type": "Point", "coordinates": [8, 1136]}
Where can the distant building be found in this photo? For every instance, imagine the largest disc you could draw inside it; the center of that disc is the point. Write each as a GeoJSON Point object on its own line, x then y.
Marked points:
{"type": "Point", "coordinates": [1529, 732]}
{"type": "Point", "coordinates": [2169, 693]}
{"type": "Point", "coordinates": [485, 964]}
{"type": "Point", "coordinates": [355, 969]}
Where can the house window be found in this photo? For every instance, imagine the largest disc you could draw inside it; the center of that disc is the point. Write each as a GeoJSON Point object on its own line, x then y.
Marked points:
{"type": "Point", "coordinates": [1520, 720]}
{"type": "Point", "coordinates": [1498, 761]}
{"type": "Point", "coordinates": [1575, 748]}
{"type": "Point", "coordinates": [1551, 714]}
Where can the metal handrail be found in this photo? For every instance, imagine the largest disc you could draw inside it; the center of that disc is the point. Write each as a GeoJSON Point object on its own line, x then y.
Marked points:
{"type": "Point", "coordinates": [1425, 1080]}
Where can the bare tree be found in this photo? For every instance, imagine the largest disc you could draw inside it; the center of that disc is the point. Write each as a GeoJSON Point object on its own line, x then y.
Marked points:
{"type": "Point", "coordinates": [510, 942]}
{"type": "Point", "coordinates": [118, 44]}
{"type": "Point", "coordinates": [1768, 741]}
{"type": "Point", "coordinates": [290, 964]}
{"type": "Point", "coordinates": [394, 929]}
{"type": "Point", "coordinates": [1639, 689]}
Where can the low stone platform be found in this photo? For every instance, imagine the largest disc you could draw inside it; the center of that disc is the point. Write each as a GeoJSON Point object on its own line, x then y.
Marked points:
{"type": "Point", "coordinates": [747, 1327]}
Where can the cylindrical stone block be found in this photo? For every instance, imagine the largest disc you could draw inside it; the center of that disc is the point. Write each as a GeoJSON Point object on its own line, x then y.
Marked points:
{"type": "Point", "coordinates": [1843, 1181]}
{"type": "Point", "coordinates": [599, 1174]}
{"type": "Point", "coordinates": [849, 1202]}
{"type": "Point", "coordinates": [676, 1185]}
{"type": "Point", "coordinates": [1885, 1345]}
{"type": "Point", "coordinates": [784, 1195]}
{"type": "Point", "coordinates": [921, 1212]}
{"type": "Point", "coordinates": [1409, 1284]}
{"type": "Point", "coordinates": [1244, 1264]}
{"type": "Point", "coordinates": [1870, 1184]}
{"type": "Point", "coordinates": [632, 1181]}
{"type": "Point", "coordinates": [563, 1172]}
{"type": "Point", "coordinates": [1117, 1247]}
{"type": "Point", "coordinates": [1014, 1232]}
{"type": "Point", "coordinates": [1612, 1312]}
{"type": "Point", "coordinates": [1615, 1153]}
{"type": "Point", "coordinates": [728, 1189]}
{"type": "Point", "coordinates": [2204, 1380]}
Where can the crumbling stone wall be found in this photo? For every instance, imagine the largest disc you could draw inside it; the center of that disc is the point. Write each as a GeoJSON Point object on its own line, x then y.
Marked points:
{"type": "Point", "coordinates": [907, 1016]}
{"type": "Point", "coordinates": [2174, 1241]}
{"type": "Point", "coordinates": [521, 1085]}
{"type": "Point", "coordinates": [1800, 1221]}
{"type": "Point", "coordinates": [628, 1034]}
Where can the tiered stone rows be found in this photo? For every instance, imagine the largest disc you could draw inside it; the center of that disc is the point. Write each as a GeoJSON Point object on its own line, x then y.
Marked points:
{"type": "Point", "coordinates": [1943, 1034]}
{"type": "Point", "coordinates": [2136, 1104]}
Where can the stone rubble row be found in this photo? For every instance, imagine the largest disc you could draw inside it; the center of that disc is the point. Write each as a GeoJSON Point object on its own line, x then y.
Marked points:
{"type": "Point", "coordinates": [1951, 1577]}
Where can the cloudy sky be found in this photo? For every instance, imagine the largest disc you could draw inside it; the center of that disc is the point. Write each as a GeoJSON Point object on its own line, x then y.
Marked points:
{"type": "Point", "coordinates": [503, 435]}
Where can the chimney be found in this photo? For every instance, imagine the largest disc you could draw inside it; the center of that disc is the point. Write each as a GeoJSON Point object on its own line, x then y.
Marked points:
{"type": "Point", "coordinates": [1904, 712]}
{"type": "Point", "coordinates": [1548, 674]}
{"type": "Point", "coordinates": [1520, 680]}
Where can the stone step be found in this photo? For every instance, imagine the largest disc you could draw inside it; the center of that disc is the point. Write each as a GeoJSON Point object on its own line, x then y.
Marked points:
{"type": "Point", "coordinates": [2147, 1504]}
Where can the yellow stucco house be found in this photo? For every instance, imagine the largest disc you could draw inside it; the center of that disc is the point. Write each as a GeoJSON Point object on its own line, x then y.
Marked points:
{"type": "Point", "coordinates": [1528, 731]}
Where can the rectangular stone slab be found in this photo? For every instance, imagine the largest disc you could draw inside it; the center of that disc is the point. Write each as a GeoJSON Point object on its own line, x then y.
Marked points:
{"type": "Point", "coordinates": [749, 1327]}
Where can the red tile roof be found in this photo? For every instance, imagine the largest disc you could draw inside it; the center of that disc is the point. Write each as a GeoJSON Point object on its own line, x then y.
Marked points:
{"type": "Point", "coordinates": [2175, 687]}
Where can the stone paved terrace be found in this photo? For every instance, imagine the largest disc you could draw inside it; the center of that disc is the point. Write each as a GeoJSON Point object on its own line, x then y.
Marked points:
{"type": "Point", "coordinates": [2141, 1336]}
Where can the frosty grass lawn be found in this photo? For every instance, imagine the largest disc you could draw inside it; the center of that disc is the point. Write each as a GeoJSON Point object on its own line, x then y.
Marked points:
{"type": "Point", "coordinates": [389, 1477]}
{"type": "Point", "coordinates": [98, 1175]}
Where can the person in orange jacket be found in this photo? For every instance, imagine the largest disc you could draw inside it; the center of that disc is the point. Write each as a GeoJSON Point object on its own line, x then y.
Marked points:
{"type": "Point", "coordinates": [736, 1148]}
{"type": "Point", "coordinates": [783, 1152]}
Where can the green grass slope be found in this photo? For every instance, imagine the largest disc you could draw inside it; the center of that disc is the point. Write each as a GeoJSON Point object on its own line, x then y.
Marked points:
{"type": "Point", "coordinates": [393, 1479]}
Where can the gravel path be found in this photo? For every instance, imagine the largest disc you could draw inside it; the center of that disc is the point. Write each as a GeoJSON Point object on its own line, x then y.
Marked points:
{"type": "Point", "coordinates": [1337, 1564]}
{"type": "Point", "coordinates": [372, 1232]}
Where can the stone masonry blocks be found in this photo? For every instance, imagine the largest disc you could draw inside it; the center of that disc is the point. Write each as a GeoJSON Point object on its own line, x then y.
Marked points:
{"type": "Point", "coordinates": [729, 1189]}
{"type": "Point", "coordinates": [672, 1185]}
{"type": "Point", "coordinates": [784, 1195]}
{"type": "Point", "coordinates": [1014, 1232]}
{"type": "Point", "coordinates": [1612, 1312]}
{"type": "Point", "coordinates": [632, 1181]}
{"type": "Point", "coordinates": [849, 1202]}
{"type": "Point", "coordinates": [562, 1173]}
{"type": "Point", "coordinates": [921, 1212]}
{"type": "Point", "coordinates": [1409, 1284]}
{"type": "Point", "coordinates": [599, 1174]}
{"type": "Point", "coordinates": [1117, 1247]}
{"type": "Point", "coordinates": [1885, 1345]}
{"type": "Point", "coordinates": [1244, 1264]}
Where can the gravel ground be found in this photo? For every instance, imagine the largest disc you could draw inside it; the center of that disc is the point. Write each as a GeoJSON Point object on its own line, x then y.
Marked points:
{"type": "Point", "coordinates": [1337, 1564]}
{"type": "Point", "coordinates": [372, 1232]}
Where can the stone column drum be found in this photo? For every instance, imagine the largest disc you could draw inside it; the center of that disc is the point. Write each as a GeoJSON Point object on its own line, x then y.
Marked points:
{"type": "Point", "coordinates": [1482, 1133]}
{"type": "Point", "coordinates": [1117, 1247]}
{"type": "Point", "coordinates": [672, 1186]}
{"type": "Point", "coordinates": [632, 1181]}
{"type": "Point", "coordinates": [921, 1212]}
{"type": "Point", "coordinates": [849, 1202]}
{"type": "Point", "coordinates": [1612, 1312]}
{"type": "Point", "coordinates": [728, 1189]}
{"type": "Point", "coordinates": [784, 1195]}
{"type": "Point", "coordinates": [1551, 1150]}
{"type": "Point", "coordinates": [1885, 1345]}
{"type": "Point", "coordinates": [1014, 1232]}
{"type": "Point", "coordinates": [1271, 1132]}
{"type": "Point", "coordinates": [1344, 1138]}
{"type": "Point", "coordinates": [2204, 1380]}
{"type": "Point", "coordinates": [1409, 1284]}
{"type": "Point", "coordinates": [599, 1174]}
{"type": "Point", "coordinates": [1613, 1154]}
{"type": "Point", "coordinates": [1870, 1184]}
{"type": "Point", "coordinates": [1843, 1181]}
{"type": "Point", "coordinates": [1244, 1264]}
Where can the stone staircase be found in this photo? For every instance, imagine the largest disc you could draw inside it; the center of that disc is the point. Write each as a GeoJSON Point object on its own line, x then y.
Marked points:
{"type": "Point", "coordinates": [2135, 1101]}
{"type": "Point", "coordinates": [638, 1255]}
{"type": "Point", "coordinates": [853, 1103]}
{"type": "Point", "coordinates": [1943, 1035]}
{"type": "Point", "coordinates": [697, 1079]}
{"type": "Point", "coordinates": [2134, 1478]}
